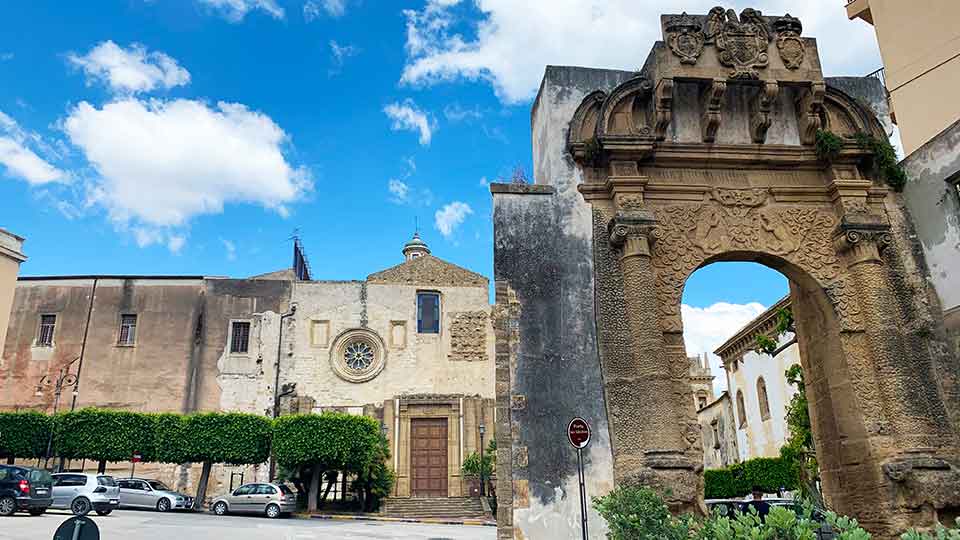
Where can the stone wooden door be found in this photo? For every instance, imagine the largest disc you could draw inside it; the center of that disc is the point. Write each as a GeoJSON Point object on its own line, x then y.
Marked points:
{"type": "Point", "coordinates": [428, 457]}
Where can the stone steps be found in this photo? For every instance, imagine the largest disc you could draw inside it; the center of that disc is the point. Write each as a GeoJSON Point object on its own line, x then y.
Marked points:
{"type": "Point", "coordinates": [443, 508]}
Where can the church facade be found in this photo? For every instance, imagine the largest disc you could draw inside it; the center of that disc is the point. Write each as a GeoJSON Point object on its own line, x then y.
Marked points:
{"type": "Point", "coordinates": [411, 346]}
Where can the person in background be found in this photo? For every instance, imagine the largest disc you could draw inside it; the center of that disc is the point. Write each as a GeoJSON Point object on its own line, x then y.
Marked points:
{"type": "Point", "coordinates": [758, 503]}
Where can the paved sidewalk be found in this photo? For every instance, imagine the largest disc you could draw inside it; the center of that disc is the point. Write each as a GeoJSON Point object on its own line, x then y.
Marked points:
{"type": "Point", "coordinates": [374, 517]}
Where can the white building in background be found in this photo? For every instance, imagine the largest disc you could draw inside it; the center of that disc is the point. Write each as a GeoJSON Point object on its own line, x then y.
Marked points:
{"type": "Point", "coordinates": [757, 389]}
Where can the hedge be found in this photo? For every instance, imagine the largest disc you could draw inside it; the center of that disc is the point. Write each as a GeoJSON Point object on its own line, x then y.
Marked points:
{"type": "Point", "coordinates": [335, 441]}
{"type": "Point", "coordinates": [737, 480]}
{"type": "Point", "coordinates": [233, 438]}
{"type": "Point", "coordinates": [103, 435]}
{"type": "Point", "coordinates": [24, 434]}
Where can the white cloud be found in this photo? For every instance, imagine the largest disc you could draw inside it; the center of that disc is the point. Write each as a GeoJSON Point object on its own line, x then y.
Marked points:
{"type": "Point", "coordinates": [457, 113]}
{"type": "Point", "coordinates": [339, 54]}
{"type": "Point", "coordinates": [236, 10]}
{"type": "Point", "coordinates": [161, 163]}
{"type": "Point", "coordinates": [705, 329]}
{"type": "Point", "coordinates": [400, 191]}
{"type": "Point", "coordinates": [406, 116]}
{"type": "Point", "coordinates": [516, 40]}
{"type": "Point", "coordinates": [333, 8]}
{"type": "Point", "coordinates": [130, 70]}
{"type": "Point", "coordinates": [19, 160]}
{"type": "Point", "coordinates": [231, 249]}
{"type": "Point", "coordinates": [451, 216]}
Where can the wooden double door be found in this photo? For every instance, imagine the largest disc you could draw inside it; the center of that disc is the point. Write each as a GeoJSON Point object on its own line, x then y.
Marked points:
{"type": "Point", "coordinates": [428, 457]}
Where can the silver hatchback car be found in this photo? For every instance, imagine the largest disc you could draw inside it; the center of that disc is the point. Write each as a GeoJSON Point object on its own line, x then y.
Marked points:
{"type": "Point", "coordinates": [152, 494]}
{"type": "Point", "coordinates": [82, 492]}
{"type": "Point", "coordinates": [271, 500]}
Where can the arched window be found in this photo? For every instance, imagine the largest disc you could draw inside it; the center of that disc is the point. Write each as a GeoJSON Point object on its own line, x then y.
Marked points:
{"type": "Point", "coordinates": [741, 409]}
{"type": "Point", "coordinates": [762, 398]}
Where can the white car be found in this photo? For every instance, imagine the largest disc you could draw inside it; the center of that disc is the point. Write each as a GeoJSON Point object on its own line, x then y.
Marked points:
{"type": "Point", "coordinates": [153, 494]}
{"type": "Point", "coordinates": [82, 492]}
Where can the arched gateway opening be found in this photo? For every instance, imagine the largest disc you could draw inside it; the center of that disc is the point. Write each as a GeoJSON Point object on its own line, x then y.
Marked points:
{"type": "Point", "coordinates": [709, 154]}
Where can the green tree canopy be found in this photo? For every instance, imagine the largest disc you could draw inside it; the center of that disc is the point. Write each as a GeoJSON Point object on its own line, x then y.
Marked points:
{"type": "Point", "coordinates": [24, 434]}
{"type": "Point", "coordinates": [103, 435]}
{"type": "Point", "coordinates": [233, 438]}
{"type": "Point", "coordinates": [332, 440]}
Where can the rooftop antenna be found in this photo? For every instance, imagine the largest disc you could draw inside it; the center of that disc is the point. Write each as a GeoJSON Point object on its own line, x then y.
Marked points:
{"type": "Point", "coordinates": [416, 225]}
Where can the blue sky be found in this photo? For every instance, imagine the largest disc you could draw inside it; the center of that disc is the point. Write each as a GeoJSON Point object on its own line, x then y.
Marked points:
{"type": "Point", "coordinates": [194, 136]}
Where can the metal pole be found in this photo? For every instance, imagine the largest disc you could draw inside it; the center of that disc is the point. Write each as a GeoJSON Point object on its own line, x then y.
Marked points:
{"type": "Point", "coordinates": [83, 346]}
{"type": "Point", "coordinates": [583, 493]}
{"type": "Point", "coordinates": [482, 493]}
{"type": "Point", "coordinates": [276, 381]}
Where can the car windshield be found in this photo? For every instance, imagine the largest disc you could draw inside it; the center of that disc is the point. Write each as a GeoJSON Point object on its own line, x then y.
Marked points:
{"type": "Point", "coordinates": [106, 481]}
{"type": "Point", "coordinates": [39, 476]}
{"type": "Point", "coordinates": [284, 489]}
{"type": "Point", "coordinates": [158, 485]}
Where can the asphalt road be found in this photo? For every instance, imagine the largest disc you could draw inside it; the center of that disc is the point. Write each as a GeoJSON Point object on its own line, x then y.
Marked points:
{"type": "Point", "coordinates": [145, 525]}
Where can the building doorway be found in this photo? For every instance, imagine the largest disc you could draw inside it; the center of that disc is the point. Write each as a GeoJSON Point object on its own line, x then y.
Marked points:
{"type": "Point", "coordinates": [428, 457]}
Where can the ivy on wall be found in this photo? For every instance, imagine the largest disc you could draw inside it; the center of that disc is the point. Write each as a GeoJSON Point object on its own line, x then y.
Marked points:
{"type": "Point", "coordinates": [883, 162]}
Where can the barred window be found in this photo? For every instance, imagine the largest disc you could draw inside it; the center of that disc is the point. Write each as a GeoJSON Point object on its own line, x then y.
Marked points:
{"type": "Point", "coordinates": [240, 337]}
{"type": "Point", "coordinates": [128, 329]}
{"type": "Point", "coordinates": [45, 334]}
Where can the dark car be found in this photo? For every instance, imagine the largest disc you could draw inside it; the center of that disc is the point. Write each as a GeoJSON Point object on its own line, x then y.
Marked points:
{"type": "Point", "coordinates": [24, 489]}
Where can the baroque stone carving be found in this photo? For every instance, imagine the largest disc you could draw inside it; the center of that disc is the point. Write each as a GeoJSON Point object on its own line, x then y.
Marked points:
{"type": "Point", "coordinates": [630, 202]}
{"type": "Point", "coordinates": [358, 355]}
{"type": "Point", "coordinates": [844, 299]}
{"type": "Point", "coordinates": [809, 107]}
{"type": "Point", "coordinates": [468, 336]}
{"type": "Point", "coordinates": [713, 99]}
{"type": "Point", "coordinates": [687, 235]}
{"type": "Point", "coordinates": [742, 42]}
{"type": "Point", "coordinates": [789, 43]}
{"type": "Point", "coordinates": [761, 106]}
{"type": "Point", "coordinates": [685, 38]}
{"type": "Point", "coordinates": [663, 108]}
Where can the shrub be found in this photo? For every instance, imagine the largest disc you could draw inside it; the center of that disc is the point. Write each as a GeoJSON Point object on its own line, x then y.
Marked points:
{"type": "Point", "coordinates": [771, 474]}
{"type": "Point", "coordinates": [938, 533]}
{"type": "Point", "coordinates": [333, 441]}
{"type": "Point", "coordinates": [103, 435]}
{"type": "Point", "coordinates": [233, 438]}
{"type": "Point", "coordinates": [635, 512]}
{"type": "Point", "coordinates": [828, 145]}
{"type": "Point", "coordinates": [24, 434]}
{"type": "Point", "coordinates": [885, 163]}
{"type": "Point", "coordinates": [169, 439]}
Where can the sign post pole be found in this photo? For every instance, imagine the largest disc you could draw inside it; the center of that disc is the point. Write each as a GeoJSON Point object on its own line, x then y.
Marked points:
{"type": "Point", "coordinates": [578, 432]}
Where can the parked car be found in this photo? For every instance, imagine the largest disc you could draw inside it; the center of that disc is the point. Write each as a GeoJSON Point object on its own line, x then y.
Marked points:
{"type": "Point", "coordinates": [272, 500]}
{"type": "Point", "coordinates": [82, 492]}
{"type": "Point", "coordinates": [153, 494]}
{"type": "Point", "coordinates": [24, 489]}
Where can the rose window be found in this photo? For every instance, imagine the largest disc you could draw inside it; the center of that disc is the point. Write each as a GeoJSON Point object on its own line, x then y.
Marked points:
{"type": "Point", "coordinates": [358, 355]}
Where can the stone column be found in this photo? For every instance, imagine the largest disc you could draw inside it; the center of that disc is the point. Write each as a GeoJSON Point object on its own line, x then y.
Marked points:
{"type": "Point", "coordinates": [648, 419]}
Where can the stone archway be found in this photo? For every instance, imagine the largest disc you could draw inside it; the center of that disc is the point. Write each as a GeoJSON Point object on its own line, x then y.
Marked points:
{"type": "Point", "coordinates": [688, 163]}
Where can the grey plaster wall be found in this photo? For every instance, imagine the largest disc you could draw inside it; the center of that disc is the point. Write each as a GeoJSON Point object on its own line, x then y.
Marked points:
{"type": "Point", "coordinates": [932, 199]}
{"type": "Point", "coordinates": [543, 239]}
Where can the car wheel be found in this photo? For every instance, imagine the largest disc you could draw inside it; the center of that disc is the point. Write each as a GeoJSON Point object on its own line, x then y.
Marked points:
{"type": "Point", "coordinates": [8, 505]}
{"type": "Point", "coordinates": [104, 512]}
{"type": "Point", "coordinates": [80, 506]}
{"type": "Point", "coordinates": [273, 511]}
{"type": "Point", "coordinates": [163, 505]}
{"type": "Point", "coordinates": [220, 508]}
{"type": "Point", "coordinates": [37, 511]}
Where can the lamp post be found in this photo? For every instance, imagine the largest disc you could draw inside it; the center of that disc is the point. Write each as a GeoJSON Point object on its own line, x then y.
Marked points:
{"type": "Point", "coordinates": [276, 379]}
{"type": "Point", "coordinates": [483, 429]}
{"type": "Point", "coordinates": [63, 378]}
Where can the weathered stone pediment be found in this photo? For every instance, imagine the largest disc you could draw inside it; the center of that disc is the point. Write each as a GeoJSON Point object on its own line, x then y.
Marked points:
{"type": "Point", "coordinates": [429, 270]}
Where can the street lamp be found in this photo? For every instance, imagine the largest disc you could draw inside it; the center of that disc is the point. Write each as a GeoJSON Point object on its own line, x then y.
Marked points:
{"type": "Point", "coordinates": [63, 379]}
{"type": "Point", "coordinates": [276, 379]}
{"type": "Point", "coordinates": [483, 429]}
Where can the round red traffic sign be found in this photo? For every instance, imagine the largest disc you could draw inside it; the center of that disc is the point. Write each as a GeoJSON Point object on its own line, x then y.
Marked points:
{"type": "Point", "coordinates": [578, 431]}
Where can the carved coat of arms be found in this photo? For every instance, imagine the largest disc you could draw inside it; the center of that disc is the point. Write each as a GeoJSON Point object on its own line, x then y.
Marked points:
{"type": "Point", "coordinates": [742, 41]}
{"type": "Point", "coordinates": [788, 40]}
{"type": "Point", "coordinates": [685, 38]}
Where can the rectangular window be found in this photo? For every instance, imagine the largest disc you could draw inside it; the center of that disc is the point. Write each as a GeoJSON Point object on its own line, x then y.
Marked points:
{"type": "Point", "coordinates": [45, 335]}
{"type": "Point", "coordinates": [240, 337]}
{"type": "Point", "coordinates": [128, 330]}
{"type": "Point", "coordinates": [428, 313]}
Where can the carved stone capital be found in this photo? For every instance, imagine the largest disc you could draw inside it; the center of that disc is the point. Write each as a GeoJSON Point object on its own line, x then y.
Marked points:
{"type": "Point", "coordinates": [862, 242]}
{"type": "Point", "coordinates": [760, 108]}
{"type": "Point", "coordinates": [712, 101]}
{"type": "Point", "coordinates": [663, 108]}
{"type": "Point", "coordinates": [633, 233]}
{"type": "Point", "coordinates": [809, 107]}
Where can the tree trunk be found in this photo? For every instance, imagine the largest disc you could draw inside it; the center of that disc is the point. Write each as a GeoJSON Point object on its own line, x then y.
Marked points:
{"type": "Point", "coordinates": [314, 488]}
{"type": "Point", "coordinates": [330, 483]}
{"type": "Point", "coordinates": [202, 487]}
{"type": "Point", "coordinates": [101, 466]}
{"type": "Point", "coordinates": [10, 460]}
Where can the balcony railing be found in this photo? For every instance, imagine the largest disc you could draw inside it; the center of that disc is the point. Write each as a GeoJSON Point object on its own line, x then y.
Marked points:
{"type": "Point", "coordinates": [878, 74]}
